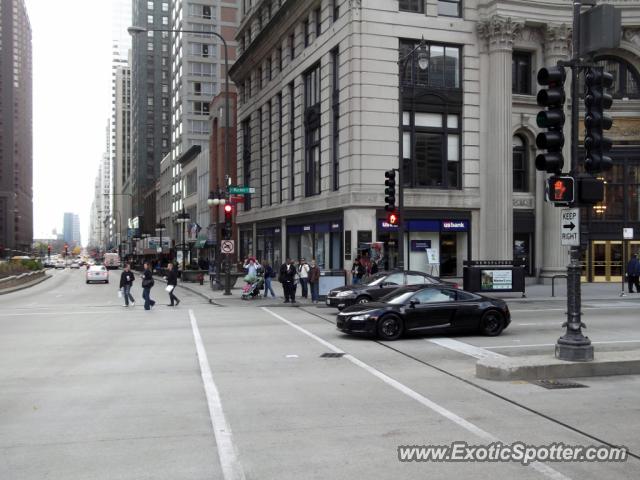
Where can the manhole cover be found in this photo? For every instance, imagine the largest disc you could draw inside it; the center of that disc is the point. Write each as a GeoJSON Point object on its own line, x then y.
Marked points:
{"type": "Point", "coordinates": [556, 385]}
{"type": "Point", "coordinates": [331, 355]}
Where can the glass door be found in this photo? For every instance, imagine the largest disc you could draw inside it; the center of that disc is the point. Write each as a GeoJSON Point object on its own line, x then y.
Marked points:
{"type": "Point", "coordinates": [607, 260]}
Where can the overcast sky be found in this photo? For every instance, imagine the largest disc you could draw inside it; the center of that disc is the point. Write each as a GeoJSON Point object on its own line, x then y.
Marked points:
{"type": "Point", "coordinates": [71, 106]}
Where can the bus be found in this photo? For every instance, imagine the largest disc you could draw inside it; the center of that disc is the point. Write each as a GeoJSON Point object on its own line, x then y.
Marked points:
{"type": "Point", "coordinates": [111, 261]}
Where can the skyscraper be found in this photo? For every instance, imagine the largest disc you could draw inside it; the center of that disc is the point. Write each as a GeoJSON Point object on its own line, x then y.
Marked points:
{"type": "Point", "coordinates": [16, 151]}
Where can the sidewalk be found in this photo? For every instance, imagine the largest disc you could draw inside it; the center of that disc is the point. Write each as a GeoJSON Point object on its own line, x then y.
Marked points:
{"type": "Point", "coordinates": [534, 293]}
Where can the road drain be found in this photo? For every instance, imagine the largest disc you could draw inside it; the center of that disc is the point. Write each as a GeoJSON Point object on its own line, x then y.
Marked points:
{"type": "Point", "coordinates": [331, 355]}
{"type": "Point", "coordinates": [556, 385]}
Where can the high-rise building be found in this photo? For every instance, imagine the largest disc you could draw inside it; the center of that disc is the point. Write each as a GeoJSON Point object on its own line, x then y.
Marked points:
{"type": "Point", "coordinates": [120, 145]}
{"type": "Point", "coordinates": [71, 229]}
{"type": "Point", "coordinates": [16, 150]}
{"type": "Point", "coordinates": [150, 105]}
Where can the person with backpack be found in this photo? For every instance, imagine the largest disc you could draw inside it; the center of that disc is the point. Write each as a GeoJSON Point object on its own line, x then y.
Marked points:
{"type": "Point", "coordinates": [314, 281]}
{"type": "Point", "coordinates": [268, 277]}
{"type": "Point", "coordinates": [126, 282]}
{"type": "Point", "coordinates": [147, 285]}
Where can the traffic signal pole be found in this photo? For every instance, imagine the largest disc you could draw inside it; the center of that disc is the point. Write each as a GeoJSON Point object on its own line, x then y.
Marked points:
{"type": "Point", "coordinates": [573, 345]}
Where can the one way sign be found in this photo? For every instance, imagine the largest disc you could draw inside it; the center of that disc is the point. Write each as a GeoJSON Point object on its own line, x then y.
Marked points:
{"type": "Point", "coordinates": [570, 231]}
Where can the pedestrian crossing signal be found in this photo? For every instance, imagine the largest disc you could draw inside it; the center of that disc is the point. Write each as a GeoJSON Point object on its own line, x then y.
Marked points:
{"type": "Point", "coordinates": [393, 219]}
{"type": "Point", "coordinates": [561, 189]}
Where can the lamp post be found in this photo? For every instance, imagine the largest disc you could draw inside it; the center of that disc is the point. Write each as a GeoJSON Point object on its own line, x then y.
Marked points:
{"type": "Point", "coordinates": [183, 218]}
{"type": "Point", "coordinates": [216, 198]}
{"type": "Point", "coordinates": [423, 65]}
{"type": "Point", "coordinates": [136, 30]}
{"type": "Point", "coordinates": [159, 229]}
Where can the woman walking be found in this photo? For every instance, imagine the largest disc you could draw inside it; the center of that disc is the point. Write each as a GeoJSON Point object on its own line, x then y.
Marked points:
{"type": "Point", "coordinates": [172, 281]}
{"type": "Point", "coordinates": [126, 281]}
{"type": "Point", "coordinates": [147, 284]}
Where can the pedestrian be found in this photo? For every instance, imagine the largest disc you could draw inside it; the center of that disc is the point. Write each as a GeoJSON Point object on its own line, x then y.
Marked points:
{"type": "Point", "coordinates": [374, 267]}
{"type": "Point", "coordinates": [172, 281]}
{"type": "Point", "coordinates": [303, 274]}
{"type": "Point", "coordinates": [268, 277]}
{"type": "Point", "coordinates": [314, 281]}
{"type": "Point", "coordinates": [633, 273]}
{"type": "Point", "coordinates": [287, 277]}
{"type": "Point", "coordinates": [147, 285]}
{"type": "Point", "coordinates": [126, 281]}
{"type": "Point", "coordinates": [357, 271]}
{"type": "Point", "coordinates": [251, 266]}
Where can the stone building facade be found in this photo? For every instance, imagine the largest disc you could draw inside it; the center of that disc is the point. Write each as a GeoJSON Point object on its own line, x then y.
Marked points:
{"type": "Point", "coordinates": [330, 96]}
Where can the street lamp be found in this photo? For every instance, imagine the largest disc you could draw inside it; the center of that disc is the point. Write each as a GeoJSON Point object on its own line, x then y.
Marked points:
{"type": "Point", "coordinates": [183, 218]}
{"type": "Point", "coordinates": [136, 30]}
{"type": "Point", "coordinates": [423, 65]}
{"type": "Point", "coordinates": [159, 229]}
{"type": "Point", "coordinates": [216, 198]}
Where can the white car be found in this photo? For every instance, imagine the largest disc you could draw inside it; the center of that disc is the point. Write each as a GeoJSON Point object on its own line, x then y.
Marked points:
{"type": "Point", "coordinates": [97, 273]}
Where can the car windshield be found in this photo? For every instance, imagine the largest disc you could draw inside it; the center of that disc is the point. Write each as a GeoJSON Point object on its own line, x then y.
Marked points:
{"type": "Point", "coordinates": [398, 297]}
{"type": "Point", "coordinates": [375, 279]}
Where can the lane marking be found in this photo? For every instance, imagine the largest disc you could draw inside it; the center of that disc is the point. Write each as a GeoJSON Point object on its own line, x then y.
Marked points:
{"type": "Point", "coordinates": [470, 427]}
{"type": "Point", "coordinates": [465, 348]}
{"type": "Point", "coordinates": [603, 342]}
{"type": "Point", "coordinates": [53, 313]}
{"type": "Point", "coordinates": [590, 306]}
{"type": "Point", "coordinates": [229, 462]}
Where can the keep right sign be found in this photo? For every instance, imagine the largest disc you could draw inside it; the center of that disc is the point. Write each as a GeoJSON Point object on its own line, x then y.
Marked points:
{"type": "Point", "coordinates": [570, 228]}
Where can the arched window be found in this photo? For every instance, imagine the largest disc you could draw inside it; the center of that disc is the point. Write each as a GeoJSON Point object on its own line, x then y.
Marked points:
{"type": "Point", "coordinates": [626, 81]}
{"type": "Point", "coordinates": [520, 171]}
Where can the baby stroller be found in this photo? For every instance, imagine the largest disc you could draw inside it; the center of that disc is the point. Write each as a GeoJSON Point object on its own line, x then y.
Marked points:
{"type": "Point", "coordinates": [253, 286]}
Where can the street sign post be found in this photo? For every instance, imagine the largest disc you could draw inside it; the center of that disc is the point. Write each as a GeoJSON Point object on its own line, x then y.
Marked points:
{"type": "Point", "coordinates": [570, 228]}
{"type": "Point", "coordinates": [235, 190]}
{"type": "Point", "coordinates": [227, 246]}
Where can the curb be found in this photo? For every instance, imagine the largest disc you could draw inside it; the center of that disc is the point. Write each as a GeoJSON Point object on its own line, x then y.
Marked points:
{"type": "Point", "coordinates": [211, 300]}
{"type": "Point", "coordinates": [26, 285]}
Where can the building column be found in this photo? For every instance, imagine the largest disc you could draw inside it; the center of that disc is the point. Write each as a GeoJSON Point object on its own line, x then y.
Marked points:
{"type": "Point", "coordinates": [557, 41]}
{"type": "Point", "coordinates": [496, 234]}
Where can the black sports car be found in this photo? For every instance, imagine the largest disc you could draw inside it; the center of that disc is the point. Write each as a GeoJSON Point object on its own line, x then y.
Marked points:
{"type": "Point", "coordinates": [426, 309]}
{"type": "Point", "coordinates": [377, 286]}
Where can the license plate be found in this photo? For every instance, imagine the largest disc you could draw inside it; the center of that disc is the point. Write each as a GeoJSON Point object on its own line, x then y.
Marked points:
{"type": "Point", "coordinates": [328, 302]}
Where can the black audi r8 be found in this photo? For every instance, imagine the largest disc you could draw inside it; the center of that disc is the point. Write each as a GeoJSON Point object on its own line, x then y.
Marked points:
{"type": "Point", "coordinates": [420, 309]}
{"type": "Point", "coordinates": [377, 286]}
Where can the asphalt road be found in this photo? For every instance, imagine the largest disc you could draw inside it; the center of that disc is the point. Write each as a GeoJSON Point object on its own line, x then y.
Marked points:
{"type": "Point", "coordinates": [92, 390]}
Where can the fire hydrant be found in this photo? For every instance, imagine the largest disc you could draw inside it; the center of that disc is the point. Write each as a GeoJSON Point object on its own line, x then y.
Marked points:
{"type": "Point", "coordinates": [200, 278]}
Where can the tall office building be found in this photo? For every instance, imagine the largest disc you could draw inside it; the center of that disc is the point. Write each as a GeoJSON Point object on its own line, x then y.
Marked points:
{"type": "Point", "coordinates": [16, 151]}
{"type": "Point", "coordinates": [150, 109]}
{"type": "Point", "coordinates": [197, 76]}
{"type": "Point", "coordinates": [71, 229]}
{"type": "Point", "coordinates": [120, 145]}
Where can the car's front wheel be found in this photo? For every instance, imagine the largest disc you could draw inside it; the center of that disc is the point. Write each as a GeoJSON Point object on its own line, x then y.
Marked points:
{"type": "Point", "coordinates": [492, 323]}
{"type": "Point", "coordinates": [390, 327]}
{"type": "Point", "coordinates": [363, 299]}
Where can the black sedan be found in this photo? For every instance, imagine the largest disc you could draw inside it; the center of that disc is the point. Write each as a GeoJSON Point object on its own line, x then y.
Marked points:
{"type": "Point", "coordinates": [423, 309]}
{"type": "Point", "coordinates": [377, 286]}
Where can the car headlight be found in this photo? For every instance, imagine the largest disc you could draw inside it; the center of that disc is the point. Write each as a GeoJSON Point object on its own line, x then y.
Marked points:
{"type": "Point", "coordinates": [345, 293]}
{"type": "Point", "coordinates": [360, 317]}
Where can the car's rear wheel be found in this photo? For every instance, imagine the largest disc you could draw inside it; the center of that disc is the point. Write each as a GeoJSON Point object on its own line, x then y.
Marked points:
{"type": "Point", "coordinates": [87, 282]}
{"type": "Point", "coordinates": [390, 327]}
{"type": "Point", "coordinates": [363, 299]}
{"type": "Point", "coordinates": [492, 323]}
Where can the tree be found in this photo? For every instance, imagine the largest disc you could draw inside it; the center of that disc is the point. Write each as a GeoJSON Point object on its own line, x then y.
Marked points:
{"type": "Point", "coordinates": [77, 250]}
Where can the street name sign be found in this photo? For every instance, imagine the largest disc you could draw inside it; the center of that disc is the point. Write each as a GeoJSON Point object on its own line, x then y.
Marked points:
{"type": "Point", "coordinates": [627, 233]}
{"type": "Point", "coordinates": [570, 227]}
{"type": "Point", "coordinates": [241, 190]}
{"type": "Point", "coordinates": [227, 246]}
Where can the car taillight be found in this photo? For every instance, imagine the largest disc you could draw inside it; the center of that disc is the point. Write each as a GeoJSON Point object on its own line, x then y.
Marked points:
{"type": "Point", "coordinates": [456, 285]}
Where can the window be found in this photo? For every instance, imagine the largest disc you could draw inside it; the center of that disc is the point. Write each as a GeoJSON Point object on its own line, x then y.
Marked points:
{"type": "Point", "coordinates": [415, 279]}
{"type": "Point", "coordinates": [149, 5]}
{"type": "Point", "coordinates": [292, 47]}
{"type": "Point", "coordinates": [292, 131]}
{"type": "Point", "coordinates": [312, 131]}
{"type": "Point", "coordinates": [307, 33]}
{"type": "Point", "coordinates": [280, 134]}
{"type": "Point", "coordinates": [206, 11]}
{"type": "Point", "coordinates": [441, 65]}
{"type": "Point", "coordinates": [520, 183]}
{"type": "Point", "coordinates": [318, 22]}
{"type": "Point", "coordinates": [336, 10]}
{"type": "Point", "coordinates": [335, 110]}
{"type": "Point", "coordinates": [246, 159]}
{"type": "Point", "coordinates": [279, 58]}
{"type": "Point", "coordinates": [200, 108]}
{"type": "Point", "coordinates": [449, 8]}
{"type": "Point", "coordinates": [260, 159]}
{"type": "Point", "coordinates": [150, 19]}
{"type": "Point", "coordinates": [412, 6]}
{"type": "Point", "coordinates": [259, 78]}
{"type": "Point", "coordinates": [394, 279]}
{"type": "Point", "coordinates": [434, 295]}
{"type": "Point", "coordinates": [521, 73]}
{"type": "Point", "coordinates": [626, 81]}
{"type": "Point", "coordinates": [269, 72]}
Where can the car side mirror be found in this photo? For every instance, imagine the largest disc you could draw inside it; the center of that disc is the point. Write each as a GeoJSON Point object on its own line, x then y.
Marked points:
{"type": "Point", "coordinates": [413, 303]}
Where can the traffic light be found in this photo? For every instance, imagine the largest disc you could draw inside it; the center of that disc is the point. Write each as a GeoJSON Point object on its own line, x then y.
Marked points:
{"type": "Point", "coordinates": [49, 251]}
{"type": "Point", "coordinates": [561, 189]}
{"type": "Point", "coordinates": [228, 222]}
{"type": "Point", "coordinates": [393, 219]}
{"type": "Point", "coordinates": [552, 119]}
{"type": "Point", "coordinates": [590, 190]}
{"type": "Point", "coordinates": [66, 250]}
{"type": "Point", "coordinates": [596, 145]}
{"type": "Point", "coordinates": [390, 190]}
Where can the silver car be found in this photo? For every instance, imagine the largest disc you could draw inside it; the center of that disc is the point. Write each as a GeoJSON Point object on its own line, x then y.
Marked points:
{"type": "Point", "coordinates": [97, 273]}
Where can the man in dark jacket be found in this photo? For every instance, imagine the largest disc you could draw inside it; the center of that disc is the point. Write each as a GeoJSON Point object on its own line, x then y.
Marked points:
{"type": "Point", "coordinates": [126, 281]}
{"type": "Point", "coordinates": [288, 275]}
{"type": "Point", "coordinates": [147, 284]}
{"type": "Point", "coordinates": [172, 281]}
